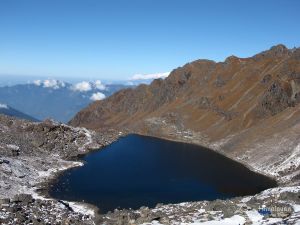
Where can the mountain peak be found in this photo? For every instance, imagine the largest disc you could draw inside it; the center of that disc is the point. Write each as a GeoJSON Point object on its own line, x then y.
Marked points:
{"type": "Point", "coordinates": [279, 50]}
{"type": "Point", "coordinates": [231, 59]}
{"type": "Point", "coordinates": [204, 91]}
{"type": "Point", "coordinates": [279, 47]}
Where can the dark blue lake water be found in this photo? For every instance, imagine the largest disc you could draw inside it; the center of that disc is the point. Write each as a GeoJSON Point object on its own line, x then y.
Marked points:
{"type": "Point", "coordinates": [140, 171]}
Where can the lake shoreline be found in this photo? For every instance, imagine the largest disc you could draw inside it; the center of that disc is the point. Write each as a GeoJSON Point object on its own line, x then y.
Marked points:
{"type": "Point", "coordinates": [118, 215]}
{"type": "Point", "coordinates": [52, 181]}
{"type": "Point", "coordinates": [30, 165]}
{"type": "Point", "coordinates": [56, 166]}
{"type": "Point", "coordinates": [171, 213]}
{"type": "Point", "coordinates": [245, 164]}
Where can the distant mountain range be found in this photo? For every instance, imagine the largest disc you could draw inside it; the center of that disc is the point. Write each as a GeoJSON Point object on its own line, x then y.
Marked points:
{"type": "Point", "coordinates": [9, 111]}
{"type": "Point", "coordinates": [55, 99]}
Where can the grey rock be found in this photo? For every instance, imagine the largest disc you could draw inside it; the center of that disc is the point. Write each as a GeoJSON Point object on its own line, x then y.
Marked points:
{"type": "Point", "coordinates": [4, 201]}
{"type": "Point", "coordinates": [275, 99]}
{"type": "Point", "coordinates": [266, 79]}
{"type": "Point", "coordinates": [6, 168]}
{"type": "Point", "coordinates": [219, 82]}
{"type": "Point", "coordinates": [25, 198]}
{"type": "Point", "coordinates": [290, 196]}
{"type": "Point", "coordinates": [4, 161]}
{"type": "Point", "coordinates": [226, 207]}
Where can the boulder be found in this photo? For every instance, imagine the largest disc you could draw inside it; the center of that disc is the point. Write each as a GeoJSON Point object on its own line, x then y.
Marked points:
{"type": "Point", "coordinates": [24, 198]}
{"type": "Point", "coordinates": [4, 201]}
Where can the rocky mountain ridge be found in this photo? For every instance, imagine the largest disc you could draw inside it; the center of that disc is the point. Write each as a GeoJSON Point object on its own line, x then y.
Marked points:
{"type": "Point", "coordinates": [9, 111]}
{"type": "Point", "coordinates": [245, 108]}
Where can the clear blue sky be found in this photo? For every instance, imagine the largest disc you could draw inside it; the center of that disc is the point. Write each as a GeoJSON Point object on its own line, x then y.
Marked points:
{"type": "Point", "coordinates": [115, 39]}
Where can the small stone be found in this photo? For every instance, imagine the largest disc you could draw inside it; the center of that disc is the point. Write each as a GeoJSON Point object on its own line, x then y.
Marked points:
{"type": "Point", "coordinates": [158, 205]}
{"type": "Point", "coordinates": [4, 161]}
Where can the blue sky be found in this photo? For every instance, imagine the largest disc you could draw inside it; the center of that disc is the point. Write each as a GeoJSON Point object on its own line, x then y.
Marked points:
{"type": "Point", "coordinates": [113, 39]}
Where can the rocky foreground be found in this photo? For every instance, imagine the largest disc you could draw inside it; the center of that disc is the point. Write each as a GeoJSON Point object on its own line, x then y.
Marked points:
{"type": "Point", "coordinates": [273, 206]}
{"type": "Point", "coordinates": [33, 153]}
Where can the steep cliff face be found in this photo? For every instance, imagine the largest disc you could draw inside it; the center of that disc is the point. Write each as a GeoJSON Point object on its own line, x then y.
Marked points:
{"type": "Point", "coordinates": [235, 106]}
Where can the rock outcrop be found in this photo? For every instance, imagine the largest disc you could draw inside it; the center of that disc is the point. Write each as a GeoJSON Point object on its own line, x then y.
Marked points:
{"type": "Point", "coordinates": [275, 206]}
{"type": "Point", "coordinates": [31, 154]}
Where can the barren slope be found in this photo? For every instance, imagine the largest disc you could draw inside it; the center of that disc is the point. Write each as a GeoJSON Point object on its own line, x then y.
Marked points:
{"type": "Point", "coordinates": [245, 107]}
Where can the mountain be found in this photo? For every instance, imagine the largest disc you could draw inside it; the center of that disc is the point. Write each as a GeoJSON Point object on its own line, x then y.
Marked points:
{"type": "Point", "coordinates": [55, 99]}
{"type": "Point", "coordinates": [7, 110]}
{"type": "Point", "coordinates": [246, 108]}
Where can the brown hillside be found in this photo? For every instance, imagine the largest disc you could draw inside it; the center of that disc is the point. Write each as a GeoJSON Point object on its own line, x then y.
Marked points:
{"type": "Point", "coordinates": [230, 105]}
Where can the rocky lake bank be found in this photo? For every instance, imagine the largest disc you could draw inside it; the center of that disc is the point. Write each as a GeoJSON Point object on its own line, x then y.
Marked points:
{"type": "Point", "coordinates": [33, 154]}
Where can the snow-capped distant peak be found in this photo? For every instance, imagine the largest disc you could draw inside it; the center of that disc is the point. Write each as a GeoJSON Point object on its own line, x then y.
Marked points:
{"type": "Point", "coordinates": [3, 106]}
{"type": "Point", "coordinates": [50, 83]}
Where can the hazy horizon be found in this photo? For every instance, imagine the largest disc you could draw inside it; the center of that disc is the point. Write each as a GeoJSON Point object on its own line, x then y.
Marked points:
{"type": "Point", "coordinates": [13, 79]}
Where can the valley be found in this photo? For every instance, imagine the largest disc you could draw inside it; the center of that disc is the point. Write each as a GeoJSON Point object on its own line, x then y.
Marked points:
{"type": "Point", "coordinates": [55, 99]}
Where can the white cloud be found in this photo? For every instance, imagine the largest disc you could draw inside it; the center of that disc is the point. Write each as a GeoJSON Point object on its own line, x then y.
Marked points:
{"type": "Point", "coordinates": [98, 84]}
{"type": "Point", "coordinates": [97, 96]}
{"type": "Point", "coordinates": [62, 84]}
{"type": "Point", "coordinates": [88, 86]}
{"type": "Point", "coordinates": [82, 86]}
{"type": "Point", "coordinates": [149, 76]}
{"type": "Point", "coordinates": [49, 83]}
{"type": "Point", "coordinates": [37, 82]}
{"type": "Point", "coordinates": [3, 106]}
